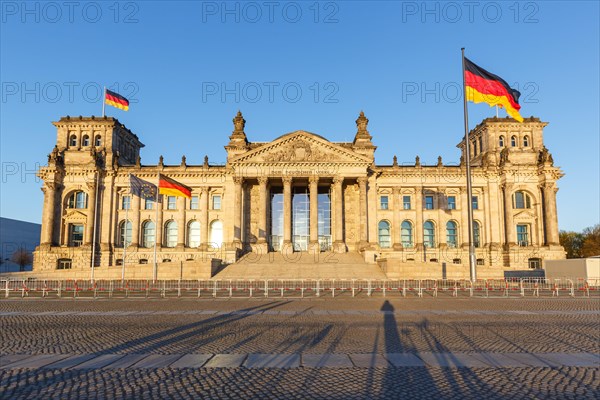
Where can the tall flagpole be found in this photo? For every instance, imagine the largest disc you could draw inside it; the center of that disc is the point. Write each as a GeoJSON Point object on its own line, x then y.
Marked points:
{"type": "Point", "coordinates": [472, 260]}
{"type": "Point", "coordinates": [95, 229]}
{"type": "Point", "coordinates": [156, 228]}
{"type": "Point", "coordinates": [104, 102]}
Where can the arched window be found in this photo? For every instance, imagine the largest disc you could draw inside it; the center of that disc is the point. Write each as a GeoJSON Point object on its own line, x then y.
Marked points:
{"type": "Point", "coordinates": [193, 234]}
{"type": "Point", "coordinates": [525, 141]}
{"type": "Point", "coordinates": [451, 236]}
{"type": "Point", "coordinates": [77, 200]}
{"type": "Point", "coordinates": [73, 141]}
{"type": "Point", "coordinates": [501, 141]}
{"type": "Point", "coordinates": [384, 235]}
{"type": "Point", "coordinates": [98, 141]}
{"type": "Point", "coordinates": [85, 142]}
{"type": "Point", "coordinates": [429, 234]}
{"type": "Point", "coordinates": [476, 234]}
{"type": "Point", "coordinates": [513, 141]}
{"type": "Point", "coordinates": [406, 234]}
{"type": "Point", "coordinates": [125, 233]}
{"type": "Point", "coordinates": [148, 234]}
{"type": "Point", "coordinates": [171, 234]}
{"type": "Point", "coordinates": [521, 200]}
{"type": "Point", "coordinates": [216, 233]}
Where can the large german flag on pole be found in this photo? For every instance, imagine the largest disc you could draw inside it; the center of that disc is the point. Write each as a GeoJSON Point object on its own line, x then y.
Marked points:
{"type": "Point", "coordinates": [116, 100]}
{"type": "Point", "coordinates": [482, 86]}
{"type": "Point", "coordinates": [171, 187]}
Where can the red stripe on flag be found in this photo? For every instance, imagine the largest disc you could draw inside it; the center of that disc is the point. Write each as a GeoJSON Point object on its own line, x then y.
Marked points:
{"type": "Point", "coordinates": [489, 87]}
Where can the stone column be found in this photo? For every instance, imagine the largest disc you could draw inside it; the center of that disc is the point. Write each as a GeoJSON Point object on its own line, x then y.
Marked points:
{"type": "Point", "coordinates": [204, 218]}
{"type": "Point", "coordinates": [314, 212]}
{"type": "Point", "coordinates": [396, 228]}
{"type": "Point", "coordinates": [508, 215]}
{"type": "Point", "coordinates": [237, 211]}
{"type": "Point", "coordinates": [287, 211]}
{"type": "Point", "coordinates": [49, 190]}
{"type": "Point", "coordinates": [464, 218]}
{"type": "Point", "coordinates": [339, 245]}
{"type": "Point", "coordinates": [362, 207]}
{"type": "Point", "coordinates": [262, 209]}
{"type": "Point", "coordinates": [181, 223]}
{"type": "Point", "coordinates": [136, 202]}
{"type": "Point", "coordinates": [91, 205]}
{"type": "Point", "coordinates": [550, 215]}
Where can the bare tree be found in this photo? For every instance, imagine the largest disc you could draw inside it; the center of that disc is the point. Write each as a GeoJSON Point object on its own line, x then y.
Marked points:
{"type": "Point", "coordinates": [22, 257]}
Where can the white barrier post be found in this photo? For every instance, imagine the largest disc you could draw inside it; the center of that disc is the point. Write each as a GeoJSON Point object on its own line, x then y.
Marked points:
{"type": "Point", "coordinates": [522, 288]}
{"type": "Point", "coordinates": [6, 290]}
{"type": "Point", "coordinates": [266, 288]}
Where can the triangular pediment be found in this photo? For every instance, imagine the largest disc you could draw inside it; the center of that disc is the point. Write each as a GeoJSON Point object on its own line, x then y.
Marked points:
{"type": "Point", "coordinates": [301, 147]}
{"type": "Point", "coordinates": [73, 215]}
{"type": "Point", "coordinates": [525, 214]}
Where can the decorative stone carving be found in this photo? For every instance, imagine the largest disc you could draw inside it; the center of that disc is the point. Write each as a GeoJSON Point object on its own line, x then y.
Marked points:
{"type": "Point", "coordinates": [205, 162]}
{"type": "Point", "coordinates": [183, 161]}
{"type": "Point", "coordinates": [417, 161]}
{"type": "Point", "coordinates": [395, 162]}
{"type": "Point", "coordinates": [161, 161]}
{"type": "Point", "coordinates": [439, 162]}
{"type": "Point", "coordinates": [545, 156]}
{"type": "Point", "coordinates": [239, 123]}
{"type": "Point", "coordinates": [299, 150]}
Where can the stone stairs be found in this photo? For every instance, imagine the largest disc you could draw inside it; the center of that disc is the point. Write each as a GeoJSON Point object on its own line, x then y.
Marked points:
{"type": "Point", "coordinates": [301, 265]}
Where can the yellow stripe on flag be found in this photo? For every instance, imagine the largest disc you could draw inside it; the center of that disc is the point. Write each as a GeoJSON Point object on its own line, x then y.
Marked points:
{"type": "Point", "coordinates": [477, 97]}
{"type": "Point", "coordinates": [118, 105]}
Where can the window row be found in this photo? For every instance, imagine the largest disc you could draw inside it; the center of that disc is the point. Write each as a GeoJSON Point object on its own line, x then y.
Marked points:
{"type": "Point", "coordinates": [514, 141]}
{"type": "Point", "coordinates": [429, 203]}
{"type": "Point", "coordinates": [171, 202]}
{"type": "Point", "coordinates": [429, 234]}
{"type": "Point", "coordinates": [85, 140]}
{"type": "Point", "coordinates": [170, 234]}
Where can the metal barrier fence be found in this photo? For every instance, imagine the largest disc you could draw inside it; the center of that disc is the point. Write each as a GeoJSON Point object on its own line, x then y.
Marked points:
{"type": "Point", "coordinates": [301, 288]}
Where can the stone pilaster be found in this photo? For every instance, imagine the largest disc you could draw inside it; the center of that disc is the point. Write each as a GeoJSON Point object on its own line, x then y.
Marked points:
{"type": "Point", "coordinates": [49, 190]}
{"type": "Point", "coordinates": [204, 218]}
{"type": "Point", "coordinates": [509, 227]}
{"type": "Point", "coordinates": [262, 209]}
{"type": "Point", "coordinates": [419, 218]}
{"type": "Point", "coordinates": [159, 223]}
{"type": "Point", "coordinates": [396, 228]}
{"type": "Point", "coordinates": [181, 223]}
{"type": "Point", "coordinates": [136, 205]}
{"type": "Point", "coordinates": [362, 207]}
{"type": "Point", "coordinates": [237, 211]}
{"type": "Point", "coordinates": [314, 211]}
{"type": "Point", "coordinates": [91, 205]}
{"type": "Point", "coordinates": [550, 215]}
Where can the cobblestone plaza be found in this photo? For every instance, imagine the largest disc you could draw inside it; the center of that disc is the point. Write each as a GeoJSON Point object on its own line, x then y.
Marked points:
{"type": "Point", "coordinates": [300, 348]}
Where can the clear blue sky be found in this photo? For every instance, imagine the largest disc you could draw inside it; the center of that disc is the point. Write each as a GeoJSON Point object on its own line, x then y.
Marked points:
{"type": "Point", "coordinates": [170, 58]}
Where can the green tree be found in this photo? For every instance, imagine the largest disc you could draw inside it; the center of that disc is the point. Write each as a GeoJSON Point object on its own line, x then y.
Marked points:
{"type": "Point", "coordinates": [591, 241]}
{"type": "Point", "coordinates": [572, 242]}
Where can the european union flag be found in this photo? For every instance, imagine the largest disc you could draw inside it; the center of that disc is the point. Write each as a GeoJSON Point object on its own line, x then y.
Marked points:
{"type": "Point", "coordinates": [142, 188]}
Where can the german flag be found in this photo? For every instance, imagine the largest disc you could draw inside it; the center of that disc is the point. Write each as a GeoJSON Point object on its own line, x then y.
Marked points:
{"type": "Point", "coordinates": [116, 100]}
{"type": "Point", "coordinates": [484, 87]}
{"type": "Point", "coordinates": [171, 187]}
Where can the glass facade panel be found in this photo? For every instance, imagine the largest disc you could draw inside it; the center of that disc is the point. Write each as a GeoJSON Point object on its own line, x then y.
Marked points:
{"type": "Point", "coordinates": [300, 218]}
{"type": "Point", "coordinates": [276, 216]}
{"type": "Point", "coordinates": [324, 220]}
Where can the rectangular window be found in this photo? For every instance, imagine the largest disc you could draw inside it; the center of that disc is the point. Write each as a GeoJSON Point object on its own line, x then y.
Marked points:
{"type": "Point", "coordinates": [64, 263]}
{"type": "Point", "coordinates": [451, 202]}
{"type": "Point", "coordinates": [406, 201]}
{"type": "Point", "coordinates": [75, 235]}
{"type": "Point", "coordinates": [523, 235]}
{"type": "Point", "coordinates": [126, 204]}
{"type": "Point", "coordinates": [429, 202]}
{"type": "Point", "coordinates": [171, 203]}
{"type": "Point", "coordinates": [383, 202]}
{"type": "Point", "coordinates": [148, 204]}
{"type": "Point", "coordinates": [194, 203]}
{"type": "Point", "coordinates": [216, 202]}
{"type": "Point", "coordinates": [475, 202]}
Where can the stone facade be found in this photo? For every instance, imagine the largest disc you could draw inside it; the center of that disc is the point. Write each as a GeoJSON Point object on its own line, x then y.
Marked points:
{"type": "Point", "coordinates": [299, 192]}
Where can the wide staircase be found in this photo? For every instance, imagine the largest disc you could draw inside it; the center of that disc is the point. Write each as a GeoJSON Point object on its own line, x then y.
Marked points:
{"type": "Point", "coordinates": [301, 265]}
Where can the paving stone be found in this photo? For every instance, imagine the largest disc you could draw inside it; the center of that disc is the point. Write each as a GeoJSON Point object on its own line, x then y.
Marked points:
{"type": "Point", "coordinates": [191, 361]}
{"type": "Point", "coordinates": [404, 360]}
{"type": "Point", "coordinates": [37, 361]}
{"type": "Point", "coordinates": [70, 361]}
{"type": "Point", "coordinates": [226, 361]}
{"type": "Point", "coordinates": [326, 361]}
{"type": "Point", "coordinates": [99, 361]}
{"type": "Point", "coordinates": [126, 361]}
{"type": "Point", "coordinates": [451, 360]}
{"type": "Point", "coordinates": [11, 358]}
{"type": "Point", "coordinates": [369, 360]}
{"type": "Point", "coordinates": [567, 360]}
{"type": "Point", "coordinates": [157, 361]}
{"type": "Point", "coordinates": [272, 361]}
